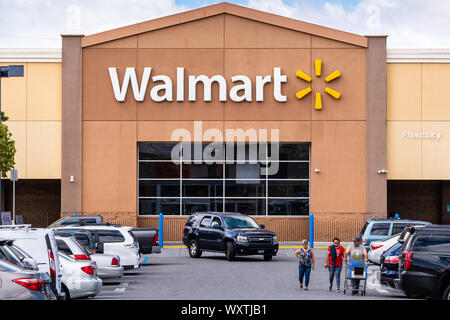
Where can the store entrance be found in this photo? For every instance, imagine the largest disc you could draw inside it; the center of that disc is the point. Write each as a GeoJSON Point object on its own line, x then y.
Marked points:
{"type": "Point", "coordinates": [418, 199]}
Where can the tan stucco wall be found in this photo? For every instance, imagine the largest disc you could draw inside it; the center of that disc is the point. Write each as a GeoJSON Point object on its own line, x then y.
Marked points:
{"type": "Point", "coordinates": [33, 105]}
{"type": "Point", "coordinates": [226, 45]}
{"type": "Point", "coordinates": [417, 102]}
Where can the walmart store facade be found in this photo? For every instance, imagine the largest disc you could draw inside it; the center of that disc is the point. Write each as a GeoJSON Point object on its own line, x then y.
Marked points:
{"type": "Point", "coordinates": [362, 131]}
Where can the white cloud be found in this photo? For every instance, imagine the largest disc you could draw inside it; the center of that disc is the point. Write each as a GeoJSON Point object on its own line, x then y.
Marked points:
{"type": "Point", "coordinates": [408, 23]}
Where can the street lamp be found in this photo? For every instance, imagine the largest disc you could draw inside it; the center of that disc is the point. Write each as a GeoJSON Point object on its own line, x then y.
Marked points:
{"type": "Point", "coordinates": [7, 72]}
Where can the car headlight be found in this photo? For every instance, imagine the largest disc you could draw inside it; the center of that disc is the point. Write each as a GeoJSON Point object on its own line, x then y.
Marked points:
{"type": "Point", "coordinates": [242, 238]}
{"type": "Point", "coordinates": [274, 238]}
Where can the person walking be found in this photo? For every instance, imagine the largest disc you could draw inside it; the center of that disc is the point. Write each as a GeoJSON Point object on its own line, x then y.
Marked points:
{"type": "Point", "coordinates": [358, 254]}
{"type": "Point", "coordinates": [306, 263]}
{"type": "Point", "coordinates": [333, 262]}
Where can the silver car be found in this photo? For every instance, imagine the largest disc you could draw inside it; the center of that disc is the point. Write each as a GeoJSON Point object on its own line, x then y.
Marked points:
{"type": "Point", "coordinates": [17, 283]}
{"type": "Point", "coordinates": [79, 277]}
{"type": "Point", "coordinates": [108, 266]}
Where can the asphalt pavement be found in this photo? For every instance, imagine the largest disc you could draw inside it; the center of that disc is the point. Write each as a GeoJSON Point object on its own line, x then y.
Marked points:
{"type": "Point", "coordinates": [174, 275]}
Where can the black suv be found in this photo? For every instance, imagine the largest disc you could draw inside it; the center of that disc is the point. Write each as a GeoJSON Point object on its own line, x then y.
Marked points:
{"type": "Point", "coordinates": [424, 265]}
{"type": "Point", "coordinates": [232, 233]}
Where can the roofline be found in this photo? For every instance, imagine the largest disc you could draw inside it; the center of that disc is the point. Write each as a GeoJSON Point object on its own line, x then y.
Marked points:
{"type": "Point", "coordinates": [220, 8]}
{"type": "Point", "coordinates": [30, 55]}
{"type": "Point", "coordinates": [418, 56]}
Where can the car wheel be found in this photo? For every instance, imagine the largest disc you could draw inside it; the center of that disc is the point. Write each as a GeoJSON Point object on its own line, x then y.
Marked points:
{"type": "Point", "coordinates": [66, 292]}
{"type": "Point", "coordinates": [446, 295]}
{"type": "Point", "coordinates": [267, 257]}
{"type": "Point", "coordinates": [230, 251]}
{"type": "Point", "coordinates": [194, 250]}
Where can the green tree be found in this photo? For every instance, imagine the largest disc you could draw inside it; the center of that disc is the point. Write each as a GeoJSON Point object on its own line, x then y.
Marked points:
{"type": "Point", "coordinates": [7, 147]}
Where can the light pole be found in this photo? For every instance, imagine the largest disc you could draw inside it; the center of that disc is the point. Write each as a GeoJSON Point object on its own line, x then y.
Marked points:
{"type": "Point", "coordinates": [7, 72]}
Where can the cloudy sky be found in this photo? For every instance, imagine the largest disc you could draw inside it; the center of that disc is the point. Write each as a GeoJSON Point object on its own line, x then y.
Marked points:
{"type": "Point", "coordinates": [409, 23]}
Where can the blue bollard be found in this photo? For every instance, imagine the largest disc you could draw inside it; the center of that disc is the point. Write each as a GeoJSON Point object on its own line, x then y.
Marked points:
{"type": "Point", "coordinates": [161, 230]}
{"type": "Point", "coordinates": [311, 230]}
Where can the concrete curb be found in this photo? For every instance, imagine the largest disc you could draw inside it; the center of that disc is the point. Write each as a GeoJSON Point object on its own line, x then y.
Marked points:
{"type": "Point", "coordinates": [283, 245]}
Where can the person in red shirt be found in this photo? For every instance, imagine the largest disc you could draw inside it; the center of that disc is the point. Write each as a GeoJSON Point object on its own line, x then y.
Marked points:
{"type": "Point", "coordinates": [333, 262]}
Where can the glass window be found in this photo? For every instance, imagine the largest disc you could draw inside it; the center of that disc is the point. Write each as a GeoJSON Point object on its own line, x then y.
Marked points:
{"type": "Point", "coordinates": [288, 207]}
{"type": "Point", "coordinates": [159, 170]}
{"type": "Point", "coordinates": [155, 151]}
{"type": "Point", "coordinates": [240, 222]}
{"type": "Point", "coordinates": [291, 170]}
{"type": "Point", "coordinates": [380, 229]}
{"type": "Point", "coordinates": [293, 151]}
{"type": "Point", "coordinates": [202, 171]}
{"type": "Point", "coordinates": [110, 236]}
{"type": "Point", "coordinates": [160, 205]}
{"type": "Point", "coordinates": [159, 188]}
{"type": "Point", "coordinates": [245, 188]}
{"type": "Point", "coordinates": [216, 221]}
{"type": "Point", "coordinates": [432, 242]}
{"type": "Point", "coordinates": [201, 205]}
{"type": "Point", "coordinates": [199, 188]}
{"type": "Point", "coordinates": [62, 246]}
{"type": "Point", "coordinates": [288, 188]}
{"type": "Point", "coordinates": [246, 206]}
{"type": "Point", "coordinates": [398, 227]}
{"type": "Point", "coordinates": [239, 185]}
{"type": "Point", "coordinates": [206, 222]}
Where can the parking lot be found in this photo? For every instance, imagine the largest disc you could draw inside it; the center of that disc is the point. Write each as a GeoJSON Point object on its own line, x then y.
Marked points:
{"type": "Point", "coordinates": [174, 275]}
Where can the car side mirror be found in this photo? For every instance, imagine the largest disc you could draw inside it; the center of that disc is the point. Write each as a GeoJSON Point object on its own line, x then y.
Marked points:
{"type": "Point", "coordinates": [401, 241]}
{"type": "Point", "coordinates": [217, 226]}
{"type": "Point", "coordinates": [262, 226]}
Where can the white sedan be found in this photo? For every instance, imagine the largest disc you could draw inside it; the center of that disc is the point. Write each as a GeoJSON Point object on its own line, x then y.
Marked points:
{"type": "Point", "coordinates": [378, 247]}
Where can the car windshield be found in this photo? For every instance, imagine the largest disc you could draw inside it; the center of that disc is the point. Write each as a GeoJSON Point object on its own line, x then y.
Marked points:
{"type": "Point", "coordinates": [238, 222]}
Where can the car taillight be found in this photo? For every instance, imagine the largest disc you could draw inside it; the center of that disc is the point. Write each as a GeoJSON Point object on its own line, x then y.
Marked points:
{"type": "Point", "coordinates": [364, 240]}
{"type": "Point", "coordinates": [88, 269]}
{"type": "Point", "coordinates": [114, 262]}
{"type": "Point", "coordinates": [30, 283]}
{"type": "Point", "coordinates": [155, 239]}
{"type": "Point", "coordinates": [51, 259]}
{"type": "Point", "coordinates": [375, 246]}
{"type": "Point", "coordinates": [391, 259]}
{"type": "Point", "coordinates": [408, 260]}
{"type": "Point", "coordinates": [81, 257]}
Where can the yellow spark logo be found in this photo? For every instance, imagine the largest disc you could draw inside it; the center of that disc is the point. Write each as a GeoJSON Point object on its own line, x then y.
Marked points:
{"type": "Point", "coordinates": [318, 71]}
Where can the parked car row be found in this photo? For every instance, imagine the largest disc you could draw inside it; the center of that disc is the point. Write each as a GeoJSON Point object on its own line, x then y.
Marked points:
{"type": "Point", "coordinates": [70, 258]}
{"type": "Point", "coordinates": [416, 260]}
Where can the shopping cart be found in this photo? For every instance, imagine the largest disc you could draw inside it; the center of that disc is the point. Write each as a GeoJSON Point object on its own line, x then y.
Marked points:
{"type": "Point", "coordinates": [356, 271]}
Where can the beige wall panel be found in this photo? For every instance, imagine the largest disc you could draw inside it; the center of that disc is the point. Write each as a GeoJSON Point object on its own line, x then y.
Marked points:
{"type": "Point", "coordinates": [19, 135]}
{"type": "Point", "coordinates": [403, 155]}
{"type": "Point", "coordinates": [109, 166]}
{"type": "Point", "coordinates": [44, 91]}
{"type": "Point", "coordinates": [44, 150]}
{"type": "Point", "coordinates": [436, 154]}
{"type": "Point", "coordinates": [245, 33]}
{"type": "Point", "coordinates": [320, 42]}
{"type": "Point", "coordinates": [338, 149]}
{"type": "Point", "coordinates": [435, 86]}
{"type": "Point", "coordinates": [14, 94]}
{"type": "Point", "coordinates": [253, 62]}
{"type": "Point", "coordinates": [196, 62]}
{"type": "Point", "coordinates": [203, 33]}
{"type": "Point", "coordinates": [162, 130]}
{"type": "Point", "coordinates": [99, 102]}
{"type": "Point", "coordinates": [404, 88]}
{"type": "Point", "coordinates": [123, 43]}
{"type": "Point", "coordinates": [289, 131]}
{"type": "Point", "coordinates": [352, 84]}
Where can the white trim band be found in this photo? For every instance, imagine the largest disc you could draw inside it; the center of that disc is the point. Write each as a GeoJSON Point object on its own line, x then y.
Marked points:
{"type": "Point", "coordinates": [418, 56]}
{"type": "Point", "coordinates": [31, 55]}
